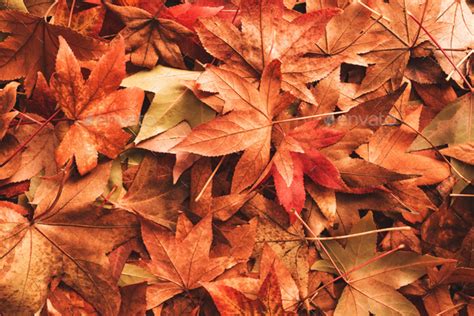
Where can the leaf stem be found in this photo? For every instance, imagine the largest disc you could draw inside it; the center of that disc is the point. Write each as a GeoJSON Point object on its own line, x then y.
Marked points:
{"type": "Point", "coordinates": [459, 64]}
{"type": "Point", "coordinates": [362, 234]}
{"type": "Point", "coordinates": [28, 117]}
{"type": "Point", "coordinates": [73, 4]}
{"type": "Point", "coordinates": [309, 117]}
{"type": "Point", "coordinates": [208, 181]}
{"type": "Point", "coordinates": [49, 10]}
{"type": "Point", "coordinates": [462, 195]}
{"type": "Point", "coordinates": [373, 11]}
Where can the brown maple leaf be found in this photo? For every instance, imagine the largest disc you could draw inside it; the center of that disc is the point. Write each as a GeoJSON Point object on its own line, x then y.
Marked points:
{"type": "Point", "coordinates": [288, 241]}
{"type": "Point", "coordinates": [230, 301]}
{"type": "Point", "coordinates": [372, 288]}
{"type": "Point", "coordinates": [32, 45]}
{"type": "Point", "coordinates": [266, 35]}
{"type": "Point", "coordinates": [58, 241]}
{"type": "Point", "coordinates": [274, 292]}
{"type": "Point", "coordinates": [150, 35]}
{"type": "Point", "coordinates": [180, 262]}
{"type": "Point", "coordinates": [404, 39]}
{"type": "Point", "coordinates": [96, 109]}
{"type": "Point", "coordinates": [246, 126]}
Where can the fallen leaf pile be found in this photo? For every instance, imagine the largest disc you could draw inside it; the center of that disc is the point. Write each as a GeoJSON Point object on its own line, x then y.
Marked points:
{"type": "Point", "coordinates": [236, 157]}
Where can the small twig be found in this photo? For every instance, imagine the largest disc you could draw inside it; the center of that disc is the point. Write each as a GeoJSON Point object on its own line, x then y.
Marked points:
{"type": "Point", "coordinates": [73, 4]}
{"type": "Point", "coordinates": [455, 307]}
{"type": "Point", "coordinates": [208, 181]}
{"type": "Point", "coordinates": [45, 17]}
{"type": "Point", "coordinates": [28, 117]}
{"type": "Point", "coordinates": [108, 196]}
{"type": "Point", "coordinates": [459, 64]}
{"type": "Point", "coordinates": [309, 117]}
{"type": "Point", "coordinates": [373, 11]}
{"type": "Point", "coordinates": [462, 195]}
{"type": "Point", "coordinates": [362, 234]}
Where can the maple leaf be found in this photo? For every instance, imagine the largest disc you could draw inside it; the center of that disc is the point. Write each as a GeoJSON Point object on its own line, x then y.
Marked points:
{"type": "Point", "coordinates": [288, 241]}
{"type": "Point", "coordinates": [7, 102]}
{"type": "Point", "coordinates": [173, 101]}
{"type": "Point", "coordinates": [247, 126]}
{"type": "Point", "coordinates": [152, 194]}
{"type": "Point", "coordinates": [359, 124]}
{"type": "Point", "coordinates": [274, 292]}
{"type": "Point", "coordinates": [403, 37]}
{"type": "Point", "coordinates": [98, 110]}
{"type": "Point", "coordinates": [266, 35]}
{"type": "Point", "coordinates": [298, 154]}
{"type": "Point", "coordinates": [150, 35]}
{"type": "Point", "coordinates": [28, 33]}
{"type": "Point", "coordinates": [388, 148]}
{"type": "Point", "coordinates": [372, 288]}
{"type": "Point", "coordinates": [230, 301]}
{"type": "Point", "coordinates": [57, 242]}
{"type": "Point", "coordinates": [182, 261]}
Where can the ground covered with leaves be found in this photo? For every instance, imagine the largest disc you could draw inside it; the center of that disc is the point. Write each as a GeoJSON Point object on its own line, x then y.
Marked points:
{"type": "Point", "coordinates": [217, 157]}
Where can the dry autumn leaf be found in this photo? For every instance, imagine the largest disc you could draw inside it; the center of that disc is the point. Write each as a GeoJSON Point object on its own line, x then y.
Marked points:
{"type": "Point", "coordinates": [180, 262]}
{"type": "Point", "coordinates": [372, 288]}
{"type": "Point", "coordinates": [97, 110]}
{"type": "Point", "coordinates": [28, 33]}
{"type": "Point", "coordinates": [221, 157]}
{"type": "Point", "coordinates": [56, 242]}
{"type": "Point", "coordinates": [267, 34]}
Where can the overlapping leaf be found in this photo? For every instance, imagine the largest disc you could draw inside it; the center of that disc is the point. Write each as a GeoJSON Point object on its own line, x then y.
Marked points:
{"type": "Point", "coordinates": [96, 108]}
{"type": "Point", "coordinates": [57, 243]}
